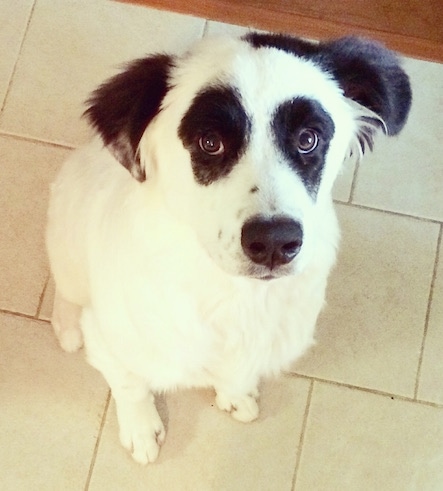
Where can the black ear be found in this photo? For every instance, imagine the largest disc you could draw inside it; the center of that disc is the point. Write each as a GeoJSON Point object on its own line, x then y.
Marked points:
{"type": "Point", "coordinates": [122, 107]}
{"type": "Point", "coordinates": [371, 75]}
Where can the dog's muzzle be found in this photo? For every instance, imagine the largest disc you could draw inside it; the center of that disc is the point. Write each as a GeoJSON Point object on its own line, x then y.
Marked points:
{"type": "Point", "coordinates": [271, 242]}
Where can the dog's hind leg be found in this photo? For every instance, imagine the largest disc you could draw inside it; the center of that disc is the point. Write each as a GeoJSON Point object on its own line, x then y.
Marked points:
{"type": "Point", "coordinates": [65, 321]}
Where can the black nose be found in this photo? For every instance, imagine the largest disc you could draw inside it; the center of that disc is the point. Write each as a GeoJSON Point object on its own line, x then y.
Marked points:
{"type": "Point", "coordinates": [271, 241]}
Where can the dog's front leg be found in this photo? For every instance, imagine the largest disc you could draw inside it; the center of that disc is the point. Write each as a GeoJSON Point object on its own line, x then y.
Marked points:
{"type": "Point", "coordinates": [141, 429]}
{"type": "Point", "coordinates": [243, 407]}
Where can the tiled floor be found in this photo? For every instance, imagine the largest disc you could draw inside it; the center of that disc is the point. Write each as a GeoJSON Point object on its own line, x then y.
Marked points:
{"type": "Point", "coordinates": [362, 411]}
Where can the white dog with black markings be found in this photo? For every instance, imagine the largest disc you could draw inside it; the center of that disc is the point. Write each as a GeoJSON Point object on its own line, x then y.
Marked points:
{"type": "Point", "coordinates": [191, 241]}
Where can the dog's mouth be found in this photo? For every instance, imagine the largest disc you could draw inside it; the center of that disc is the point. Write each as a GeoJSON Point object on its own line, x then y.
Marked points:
{"type": "Point", "coordinates": [266, 274]}
{"type": "Point", "coordinates": [268, 277]}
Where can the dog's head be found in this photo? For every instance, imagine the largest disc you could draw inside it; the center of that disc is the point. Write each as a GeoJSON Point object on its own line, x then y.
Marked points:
{"type": "Point", "coordinates": [243, 138]}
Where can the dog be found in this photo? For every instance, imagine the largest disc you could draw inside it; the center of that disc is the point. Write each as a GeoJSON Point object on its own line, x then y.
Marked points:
{"type": "Point", "coordinates": [192, 239]}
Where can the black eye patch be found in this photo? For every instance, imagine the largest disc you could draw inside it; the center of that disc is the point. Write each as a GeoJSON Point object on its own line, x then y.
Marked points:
{"type": "Point", "coordinates": [302, 130]}
{"type": "Point", "coordinates": [215, 117]}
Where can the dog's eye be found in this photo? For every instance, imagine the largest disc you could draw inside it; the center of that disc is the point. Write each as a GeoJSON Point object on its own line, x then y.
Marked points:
{"type": "Point", "coordinates": [211, 144]}
{"type": "Point", "coordinates": [307, 141]}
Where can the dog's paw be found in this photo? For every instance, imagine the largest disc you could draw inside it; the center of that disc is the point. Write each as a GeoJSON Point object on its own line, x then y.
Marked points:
{"type": "Point", "coordinates": [70, 339]}
{"type": "Point", "coordinates": [141, 430]}
{"type": "Point", "coordinates": [244, 408]}
{"type": "Point", "coordinates": [143, 443]}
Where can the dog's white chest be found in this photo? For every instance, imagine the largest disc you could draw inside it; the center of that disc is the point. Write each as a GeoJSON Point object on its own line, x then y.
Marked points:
{"type": "Point", "coordinates": [182, 327]}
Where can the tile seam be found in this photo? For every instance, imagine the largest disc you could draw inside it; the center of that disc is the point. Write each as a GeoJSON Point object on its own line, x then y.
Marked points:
{"type": "Point", "coordinates": [302, 435]}
{"type": "Point", "coordinates": [353, 182]}
{"type": "Point", "coordinates": [368, 390]}
{"type": "Point", "coordinates": [41, 298]}
{"type": "Point", "coordinates": [34, 139]}
{"type": "Point", "coordinates": [428, 312]}
{"type": "Point", "coordinates": [205, 29]}
{"type": "Point", "coordinates": [97, 442]}
{"type": "Point", "coordinates": [21, 315]}
{"type": "Point", "coordinates": [389, 212]}
{"type": "Point", "coordinates": [14, 68]}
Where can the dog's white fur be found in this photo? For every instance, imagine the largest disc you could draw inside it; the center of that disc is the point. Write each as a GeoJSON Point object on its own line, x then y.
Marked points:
{"type": "Point", "coordinates": [143, 274]}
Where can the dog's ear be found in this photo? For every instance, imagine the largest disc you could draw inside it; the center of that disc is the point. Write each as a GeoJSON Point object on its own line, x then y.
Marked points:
{"type": "Point", "coordinates": [371, 75]}
{"type": "Point", "coordinates": [122, 107]}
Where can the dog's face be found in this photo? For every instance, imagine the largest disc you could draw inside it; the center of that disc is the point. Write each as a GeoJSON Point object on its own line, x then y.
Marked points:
{"type": "Point", "coordinates": [246, 154]}
{"type": "Point", "coordinates": [244, 138]}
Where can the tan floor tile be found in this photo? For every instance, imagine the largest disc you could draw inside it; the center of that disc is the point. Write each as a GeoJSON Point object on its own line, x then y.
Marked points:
{"type": "Point", "coordinates": [71, 47]}
{"type": "Point", "coordinates": [362, 441]}
{"type": "Point", "coordinates": [431, 380]}
{"type": "Point", "coordinates": [405, 174]}
{"type": "Point", "coordinates": [50, 411]}
{"type": "Point", "coordinates": [214, 28]}
{"type": "Point", "coordinates": [27, 170]}
{"type": "Point", "coordinates": [13, 21]}
{"type": "Point", "coordinates": [371, 331]}
{"type": "Point", "coordinates": [206, 450]}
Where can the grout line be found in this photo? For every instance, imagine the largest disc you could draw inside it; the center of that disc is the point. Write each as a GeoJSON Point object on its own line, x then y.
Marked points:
{"type": "Point", "coordinates": [354, 182]}
{"type": "Point", "coordinates": [302, 435]}
{"type": "Point", "coordinates": [97, 442]}
{"type": "Point", "coordinates": [367, 390]}
{"type": "Point", "coordinates": [41, 298]}
{"type": "Point", "coordinates": [14, 68]}
{"type": "Point", "coordinates": [428, 311]}
{"type": "Point", "coordinates": [23, 316]}
{"type": "Point", "coordinates": [33, 139]}
{"type": "Point", "coordinates": [388, 212]}
{"type": "Point", "coordinates": [205, 29]}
